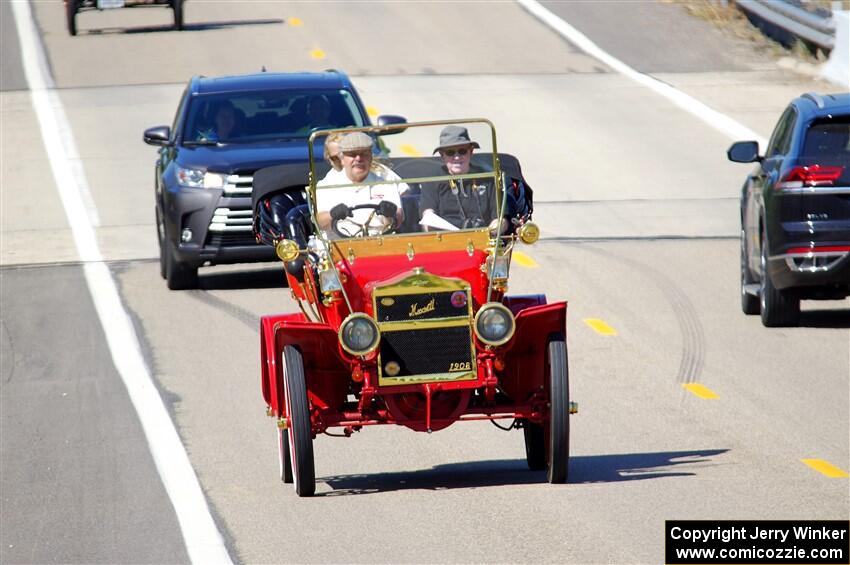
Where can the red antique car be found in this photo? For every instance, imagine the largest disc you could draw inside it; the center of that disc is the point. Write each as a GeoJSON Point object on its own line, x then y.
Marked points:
{"type": "Point", "coordinates": [404, 316]}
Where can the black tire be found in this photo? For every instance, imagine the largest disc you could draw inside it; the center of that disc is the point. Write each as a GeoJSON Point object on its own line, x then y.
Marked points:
{"type": "Point", "coordinates": [285, 464]}
{"type": "Point", "coordinates": [779, 308]}
{"type": "Point", "coordinates": [300, 428]}
{"type": "Point", "coordinates": [535, 446]}
{"type": "Point", "coordinates": [559, 412]}
{"type": "Point", "coordinates": [177, 6]}
{"type": "Point", "coordinates": [749, 302]}
{"type": "Point", "coordinates": [71, 15]}
{"type": "Point", "coordinates": [160, 237]}
{"type": "Point", "coordinates": [179, 276]}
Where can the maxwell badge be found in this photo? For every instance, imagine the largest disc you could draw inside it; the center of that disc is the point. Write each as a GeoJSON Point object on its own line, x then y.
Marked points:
{"type": "Point", "coordinates": [387, 301]}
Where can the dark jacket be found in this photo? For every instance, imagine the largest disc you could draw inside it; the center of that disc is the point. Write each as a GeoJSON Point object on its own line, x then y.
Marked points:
{"type": "Point", "coordinates": [465, 203]}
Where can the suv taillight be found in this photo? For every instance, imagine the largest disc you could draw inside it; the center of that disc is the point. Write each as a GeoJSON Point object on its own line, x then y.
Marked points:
{"type": "Point", "coordinates": [812, 175]}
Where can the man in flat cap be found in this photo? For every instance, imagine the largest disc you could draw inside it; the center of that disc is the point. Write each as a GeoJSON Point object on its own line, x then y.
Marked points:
{"type": "Point", "coordinates": [358, 168]}
{"type": "Point", "coordinates": [465, 203]}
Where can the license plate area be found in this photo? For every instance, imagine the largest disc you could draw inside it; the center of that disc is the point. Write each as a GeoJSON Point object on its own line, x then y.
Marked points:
{"type": "Point", "coordinates": [109, 4]}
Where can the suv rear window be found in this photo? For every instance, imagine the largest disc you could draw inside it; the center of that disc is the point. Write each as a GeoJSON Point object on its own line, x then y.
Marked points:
{"type": "Point", "coordinates": [239, 117]}
{"type": "Point", "coordinates": [828, 137]}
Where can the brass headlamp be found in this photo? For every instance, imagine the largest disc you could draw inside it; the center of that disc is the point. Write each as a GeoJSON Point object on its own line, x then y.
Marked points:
{"type": "Point", "coordinates": [287, 250]}
{"type": "Point", "coordinates": [529, 233]}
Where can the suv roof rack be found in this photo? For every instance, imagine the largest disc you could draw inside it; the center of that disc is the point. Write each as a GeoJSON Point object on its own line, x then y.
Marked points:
{"type": "Point", "coordinates": [816, 98]}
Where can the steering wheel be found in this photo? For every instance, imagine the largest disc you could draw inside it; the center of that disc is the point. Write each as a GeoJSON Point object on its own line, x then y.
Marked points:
{"type": "Point", "coordinates": [350, 228]}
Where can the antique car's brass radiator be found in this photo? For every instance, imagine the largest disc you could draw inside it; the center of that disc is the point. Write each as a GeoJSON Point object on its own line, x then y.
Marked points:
{"type": "Point", "coordinates": [426, 331]}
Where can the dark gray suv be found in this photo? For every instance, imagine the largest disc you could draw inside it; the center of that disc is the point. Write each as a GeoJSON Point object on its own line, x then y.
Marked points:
{"type": "Point", "coordinates": [795, 210]}
{"type": "Point", "coordinates": [225, 129]}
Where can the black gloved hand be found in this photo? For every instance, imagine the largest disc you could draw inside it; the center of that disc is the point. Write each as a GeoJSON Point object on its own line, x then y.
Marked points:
{"type": "Point", "coordinates": [340, 212]}
{"type": "Point", "coordinates": [387, 209]}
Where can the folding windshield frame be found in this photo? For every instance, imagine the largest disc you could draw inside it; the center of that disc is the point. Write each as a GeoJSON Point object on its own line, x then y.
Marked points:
{"type": "Point", "coordinates": [376, 131]}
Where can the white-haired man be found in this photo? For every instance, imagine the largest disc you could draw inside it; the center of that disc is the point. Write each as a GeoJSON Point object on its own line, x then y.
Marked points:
{"type": "Point", "coordinates": [336, 204]}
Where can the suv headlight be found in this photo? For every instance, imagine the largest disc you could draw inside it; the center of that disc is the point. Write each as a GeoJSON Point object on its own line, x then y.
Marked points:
{"type": "Point", "coordinates": [197, 178]}
{"type": "Point", "coordinates": [359, 334]}
{"type": "Point", "coordinates": [494, 324]}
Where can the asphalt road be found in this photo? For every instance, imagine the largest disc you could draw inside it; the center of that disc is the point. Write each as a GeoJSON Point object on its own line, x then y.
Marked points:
{"type": "Point", "coordinates": [11, 73]}
{"type": "Point", "coordinates": [639, 215]}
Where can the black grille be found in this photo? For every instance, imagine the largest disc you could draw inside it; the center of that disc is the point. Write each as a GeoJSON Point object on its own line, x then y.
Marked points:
{"type": "Point", "coordinates": [425, 306]}
{"type": "Point", "coordinates": [427, 351]}
{"type": "Point", "coordinates": [233, 239]}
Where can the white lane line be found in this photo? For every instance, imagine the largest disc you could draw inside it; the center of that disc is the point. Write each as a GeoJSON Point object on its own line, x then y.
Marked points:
{"type": "Point", "coordinates": [204, 542]}
{"type": "Point", "coordinates": [715, 119]}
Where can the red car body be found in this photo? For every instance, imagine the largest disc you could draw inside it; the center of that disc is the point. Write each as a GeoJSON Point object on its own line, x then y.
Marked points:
{"type": "Point", "coordinates": [424, 292]}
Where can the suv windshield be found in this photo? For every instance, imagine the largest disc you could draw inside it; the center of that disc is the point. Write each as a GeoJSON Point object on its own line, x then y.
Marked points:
{"type": "Point", "coordinates": [245, 117]}
{"type": "Point", "coordinates": [409, 179]}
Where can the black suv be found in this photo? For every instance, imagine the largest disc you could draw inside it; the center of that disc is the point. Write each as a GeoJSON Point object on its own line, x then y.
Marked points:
{"type": "Point", "coordinates": [225, 129]}
{"type": "Point", "coordinates": [795, 210]}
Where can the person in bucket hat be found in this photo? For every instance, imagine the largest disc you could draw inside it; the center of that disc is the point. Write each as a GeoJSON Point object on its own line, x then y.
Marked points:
{"type": "Point", "coordinates": [455, 136]}
{"type": "Point", "coordinates": [465, 203]}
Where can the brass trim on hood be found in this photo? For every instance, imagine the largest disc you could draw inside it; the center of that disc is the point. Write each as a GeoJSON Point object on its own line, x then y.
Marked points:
{"type": "Point", "coordinates": [419, 283]}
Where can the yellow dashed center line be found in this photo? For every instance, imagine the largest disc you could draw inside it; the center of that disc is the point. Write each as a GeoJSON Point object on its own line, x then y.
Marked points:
{"type": "Point", "coordinates": [372, 111]}
{"type": "Point", "coordinates": [294, 22]}
{"type": "Point", "coordinates": [600, 327]}
{"type": "Point", "coordinates": [409, 150]}
{"type": "Point", "coordinates": [826, 468]}
{"type": "Point", "coordinates": [317, 54]}
{"type": "Point", "coordinates": [701, 391]}
{"type": "Point", "coordinates": [524, 260]}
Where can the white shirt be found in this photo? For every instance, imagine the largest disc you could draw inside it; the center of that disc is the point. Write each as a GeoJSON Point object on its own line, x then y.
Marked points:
{"type": "Point", "coordinates": [361, 193]}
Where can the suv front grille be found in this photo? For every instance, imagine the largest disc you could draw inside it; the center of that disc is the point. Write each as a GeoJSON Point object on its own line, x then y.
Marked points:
{"type": "Point", "coordinates": [231, 239]}
{"type": "Point", "coordinates": [238, 185]}
{"type": "Point", "coordinates": [231, 227]}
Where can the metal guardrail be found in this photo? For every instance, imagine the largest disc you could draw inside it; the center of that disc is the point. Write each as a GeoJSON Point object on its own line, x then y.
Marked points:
{"type": "Point", "coordinates": [792, 21]}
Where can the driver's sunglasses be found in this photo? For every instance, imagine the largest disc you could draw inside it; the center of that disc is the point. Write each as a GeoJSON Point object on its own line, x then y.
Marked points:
{"type": "Point", "coordinates": [362, 153]}
{"type": "Point", "coordinates": [452, 152]}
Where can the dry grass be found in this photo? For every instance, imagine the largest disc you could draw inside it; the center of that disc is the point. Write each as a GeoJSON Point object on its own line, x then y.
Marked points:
{"type": "Point", "coordinates": [827, 4]}
{"type": "Point", "coordinates": [733, 22]}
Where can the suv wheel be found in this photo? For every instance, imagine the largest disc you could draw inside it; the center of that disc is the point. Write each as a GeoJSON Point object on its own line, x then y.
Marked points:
{"type": "Point", "coordinates": [177, 6]}
{"type": "Point", "coordinates": [179, 276]}
{"type": "Point", "coordinates": [778, 307]}
{"type": "Point", "coordinates": [71, 15]}
{"type": "Point", "coordinates": [749, 302]}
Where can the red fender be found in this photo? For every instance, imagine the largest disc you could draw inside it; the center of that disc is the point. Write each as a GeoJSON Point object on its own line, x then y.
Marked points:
{"type": "Point", "coordinates": [525, 354]}
{"type": "Point", "coordinates": [520, 302]}
{"type": "Point", "coordinates": [270, 360]}
{"type": "Point", "coordinates": [326, 372]}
